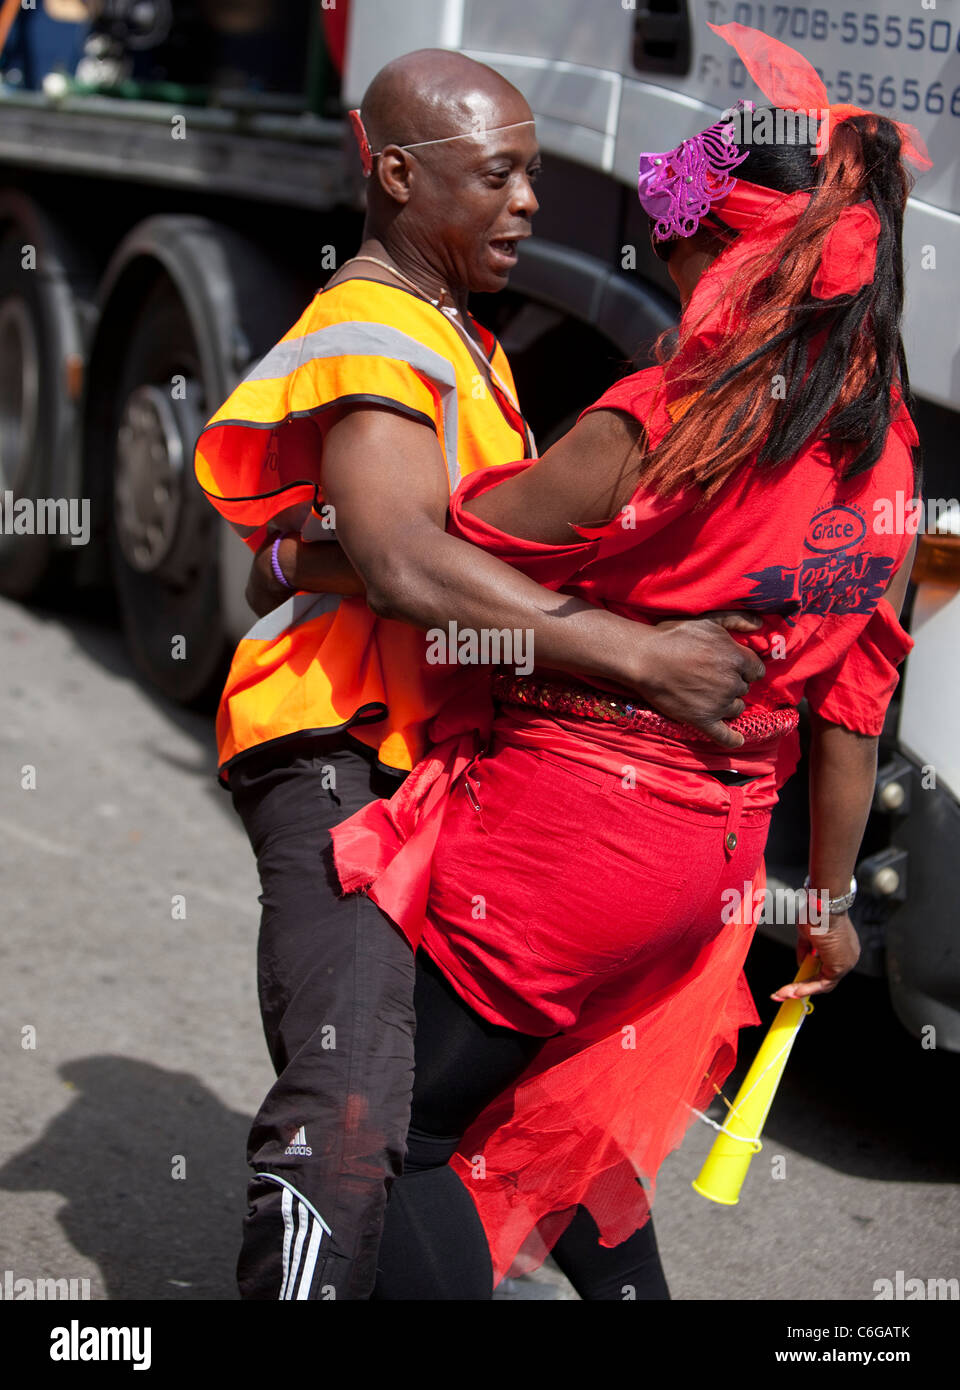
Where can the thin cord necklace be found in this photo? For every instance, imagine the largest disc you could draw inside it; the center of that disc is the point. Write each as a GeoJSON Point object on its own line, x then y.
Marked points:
{"type": "Point", "coordinates": [453, 316]}
{"type": "Point", "coordinates": [400, 276]}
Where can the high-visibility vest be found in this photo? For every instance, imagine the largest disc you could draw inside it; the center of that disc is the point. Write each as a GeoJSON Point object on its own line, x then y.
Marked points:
{"type": "Point", "coordinates": [321, 662]}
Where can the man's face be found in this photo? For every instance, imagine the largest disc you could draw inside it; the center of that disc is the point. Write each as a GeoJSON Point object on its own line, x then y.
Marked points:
{"type": "Point", "coordinates": [473, 198]}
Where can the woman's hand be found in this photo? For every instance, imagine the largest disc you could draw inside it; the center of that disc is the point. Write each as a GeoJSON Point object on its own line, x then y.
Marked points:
{"type": "Point", "coordinates": [838, 950]}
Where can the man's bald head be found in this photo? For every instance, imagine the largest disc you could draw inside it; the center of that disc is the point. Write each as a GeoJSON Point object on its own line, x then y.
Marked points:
{"type": "Point", "coordinates": [433, 94]}
{"type": "Point", "coordinates": [454, 209]}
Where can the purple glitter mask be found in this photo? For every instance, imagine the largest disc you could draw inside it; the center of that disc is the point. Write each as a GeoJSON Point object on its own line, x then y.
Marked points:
{"type": "Point", "coordinates": [678, 188]}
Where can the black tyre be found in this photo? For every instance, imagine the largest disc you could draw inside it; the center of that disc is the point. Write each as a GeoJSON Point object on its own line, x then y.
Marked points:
{"type": "Point", "coordinates": [163, 533]}
{"type": "Point", "coordinates": [32, 351]}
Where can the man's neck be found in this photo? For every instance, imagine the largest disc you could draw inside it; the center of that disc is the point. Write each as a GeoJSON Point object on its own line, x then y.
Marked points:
{"type": "Point", "coordinates": [415, 267]}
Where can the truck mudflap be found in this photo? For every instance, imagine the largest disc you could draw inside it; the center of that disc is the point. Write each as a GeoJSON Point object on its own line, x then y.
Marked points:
{"type": "Point", "coordinates": [921, 933]}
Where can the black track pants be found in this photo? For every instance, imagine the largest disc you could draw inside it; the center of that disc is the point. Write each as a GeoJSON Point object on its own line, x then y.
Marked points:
{"type": "Point", "coordinates": [335, 981]}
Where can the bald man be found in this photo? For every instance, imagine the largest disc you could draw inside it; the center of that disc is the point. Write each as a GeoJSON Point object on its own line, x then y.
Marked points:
{"type": "Point", "coordinates": [361, 420]}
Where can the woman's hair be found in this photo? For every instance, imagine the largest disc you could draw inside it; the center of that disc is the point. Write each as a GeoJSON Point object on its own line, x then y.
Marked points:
{"type": "Point", "coordinates": [775, 327]}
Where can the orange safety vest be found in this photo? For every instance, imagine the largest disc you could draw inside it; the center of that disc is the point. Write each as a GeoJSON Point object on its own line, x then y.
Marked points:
{"type": "Point", "coordinates": [321, 662]}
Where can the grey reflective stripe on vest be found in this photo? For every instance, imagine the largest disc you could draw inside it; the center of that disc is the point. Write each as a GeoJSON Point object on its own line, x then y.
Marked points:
{"type": "Point", "coordinates": [296, 610]}
{"type": "Point", "coordinates": [361, 339]}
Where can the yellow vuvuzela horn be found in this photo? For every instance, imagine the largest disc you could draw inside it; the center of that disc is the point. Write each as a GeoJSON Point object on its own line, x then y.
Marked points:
{"type": "Point", "coordinates": [725, 1166]}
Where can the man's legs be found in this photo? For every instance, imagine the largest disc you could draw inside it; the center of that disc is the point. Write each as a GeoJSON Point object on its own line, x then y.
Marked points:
{"type": "Point", "coordinates": [336, 994]}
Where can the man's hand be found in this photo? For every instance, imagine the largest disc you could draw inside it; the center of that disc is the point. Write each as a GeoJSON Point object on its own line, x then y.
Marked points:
{"type": "Point", "coordinates": [702, 674]}
{"type": "Point", "coordinates": [264, 592]}
{"type": "Point", "coordinates": [316, 567]}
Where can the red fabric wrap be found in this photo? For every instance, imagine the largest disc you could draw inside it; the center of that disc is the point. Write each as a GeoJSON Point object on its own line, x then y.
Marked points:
{"type": "Point", "coordinates": [603, 1103]}
{"type": "Point", "coordinates": [849, 256]}
{"type": "Point", "coordinates": [386, 849]}
{"type": "Point", "coordinates": [748, 205]}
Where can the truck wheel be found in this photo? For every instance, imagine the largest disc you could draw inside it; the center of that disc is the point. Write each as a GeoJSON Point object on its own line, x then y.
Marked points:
{"type": "Point", "coordinates": [163, 533]}
{"type": "Point", "coordinates": [33, 352]}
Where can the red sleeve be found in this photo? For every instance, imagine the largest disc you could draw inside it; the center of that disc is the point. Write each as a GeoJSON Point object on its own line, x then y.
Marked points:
{"type": "Point", "coordinates": [550, 565]}
{"type": "Point", "coordinates": [856, 691]}
{"type": "Point", "coordinates": [641, 396]}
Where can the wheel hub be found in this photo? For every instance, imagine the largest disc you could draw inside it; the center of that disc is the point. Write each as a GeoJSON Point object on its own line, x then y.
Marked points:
{"type": "Point", "coordinates": [149, 478]}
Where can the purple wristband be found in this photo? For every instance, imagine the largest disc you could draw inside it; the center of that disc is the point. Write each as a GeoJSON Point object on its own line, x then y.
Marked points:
{"type": "Point", "coordinates": [275, 563]}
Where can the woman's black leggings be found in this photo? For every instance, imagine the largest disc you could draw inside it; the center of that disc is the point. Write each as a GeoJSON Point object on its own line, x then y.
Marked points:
{"type": "Point", "coordinates": [433, 1246]}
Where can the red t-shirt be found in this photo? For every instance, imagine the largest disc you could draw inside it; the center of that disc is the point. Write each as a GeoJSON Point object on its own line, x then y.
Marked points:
{"type": "Point", "coordinates": [795, 544]}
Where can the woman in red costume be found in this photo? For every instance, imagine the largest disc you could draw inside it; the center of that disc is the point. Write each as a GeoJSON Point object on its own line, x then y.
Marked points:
{"type": "Point", "coordinates": [564, 861]}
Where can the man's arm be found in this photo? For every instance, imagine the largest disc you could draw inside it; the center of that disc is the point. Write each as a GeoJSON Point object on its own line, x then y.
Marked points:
{"type": "Point", "coordinates": [385, 476]}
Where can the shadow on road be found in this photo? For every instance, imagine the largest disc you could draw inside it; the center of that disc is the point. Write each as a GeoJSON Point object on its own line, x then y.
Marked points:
{"type": "Point", "coordinates": [111, 1154]}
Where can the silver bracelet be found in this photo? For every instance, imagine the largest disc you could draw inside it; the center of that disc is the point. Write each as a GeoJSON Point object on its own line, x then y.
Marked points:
{"type": "Point", "coordinates": [837, 906]}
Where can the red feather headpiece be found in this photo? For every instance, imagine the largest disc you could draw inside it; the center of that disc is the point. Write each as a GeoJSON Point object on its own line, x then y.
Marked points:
{"type": "Point", "coordinates": [790, 82]}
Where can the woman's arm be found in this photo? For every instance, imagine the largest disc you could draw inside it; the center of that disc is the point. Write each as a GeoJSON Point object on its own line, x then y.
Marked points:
{"type": "Point", "coordinates": [843, 775]}
{"type": "Point", "coordinates": [585, 478]}
{"type": "Point", "coordinates": [537, 504]}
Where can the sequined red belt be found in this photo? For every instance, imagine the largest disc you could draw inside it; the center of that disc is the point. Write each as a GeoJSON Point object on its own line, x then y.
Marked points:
{"type": "Point", "coordinates": [558, 696]}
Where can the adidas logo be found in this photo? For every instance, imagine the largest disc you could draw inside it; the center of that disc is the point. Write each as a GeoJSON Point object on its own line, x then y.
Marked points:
{"type": "Point", "coordinates": [298, 1144]}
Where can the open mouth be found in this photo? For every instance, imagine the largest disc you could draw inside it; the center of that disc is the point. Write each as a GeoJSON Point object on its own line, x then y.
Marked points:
{"type": "Point", "coordinates": [505, 250]}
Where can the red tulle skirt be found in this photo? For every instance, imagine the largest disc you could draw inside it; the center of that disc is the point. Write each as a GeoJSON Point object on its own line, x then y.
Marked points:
{"type": "Point", "coordinates": [591, 1118]}
{"type": "Point", "coordinates": [645, 1043]}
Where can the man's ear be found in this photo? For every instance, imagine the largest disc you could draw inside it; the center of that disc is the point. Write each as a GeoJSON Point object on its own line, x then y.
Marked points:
{"type": "Point", "coordinates": [394, 170]}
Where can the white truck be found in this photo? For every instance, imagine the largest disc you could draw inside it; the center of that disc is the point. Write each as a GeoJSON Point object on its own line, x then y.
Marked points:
{"type": "Point", "coordinates": [180, 170]}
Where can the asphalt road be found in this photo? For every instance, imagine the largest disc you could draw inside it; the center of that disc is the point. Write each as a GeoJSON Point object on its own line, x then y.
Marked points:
{"type": "Point", "coordinates": [149, 1062]}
